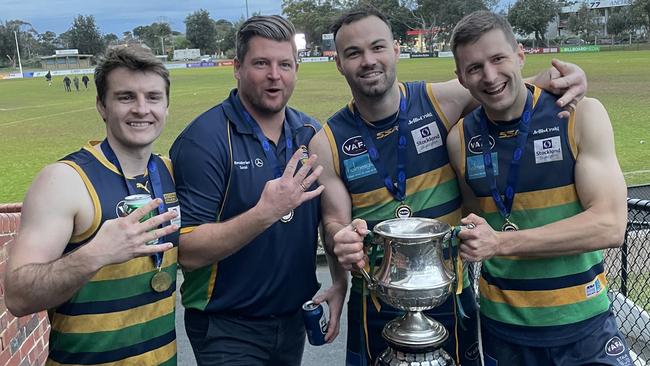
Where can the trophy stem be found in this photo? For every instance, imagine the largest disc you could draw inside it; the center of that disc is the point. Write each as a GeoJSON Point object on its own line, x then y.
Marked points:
{"type": "Point", "coordinates": [414, 331]}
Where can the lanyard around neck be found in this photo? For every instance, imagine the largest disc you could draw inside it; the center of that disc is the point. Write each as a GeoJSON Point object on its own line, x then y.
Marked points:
{"type": "Point", "coordinates": [278, 167]}
{"type": "Point", "coordinates": [398, 189]}
{"type": "Point", "coordinates": [505, 205]}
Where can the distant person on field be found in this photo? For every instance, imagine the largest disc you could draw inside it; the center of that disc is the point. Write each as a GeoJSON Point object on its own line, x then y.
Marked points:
{"type": "Point", "coordinates": [66, 83]}
{"type": "Point", "coordinates": [110, 294]}
{"type": "Point", "coordinates": [85, 80]}
{"type": "Point", "coordinates": [547, 196]}
{"type": "Point", "coordinates": [48, 78]}
{"type": "Point", "coordinates": [76, 82]}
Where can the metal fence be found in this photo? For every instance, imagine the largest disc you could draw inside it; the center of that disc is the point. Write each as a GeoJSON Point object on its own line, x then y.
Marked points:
{"type": "Point", "coordinates": [628, 273]}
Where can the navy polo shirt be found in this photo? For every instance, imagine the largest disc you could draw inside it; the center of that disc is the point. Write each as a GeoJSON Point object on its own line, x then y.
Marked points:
{"type": "Point", "coordinates": [220, 170]}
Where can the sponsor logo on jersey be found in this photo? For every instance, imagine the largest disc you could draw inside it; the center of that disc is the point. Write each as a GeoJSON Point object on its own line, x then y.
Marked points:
{"type": "Point", "coordinates": [359, 167]}
{"type": "Point", "coordinates": [170, 197]}
{"type": "Point", "coordinates": [427, 137]}
{"type": "Point", "coordinates": [476, 166]}
{"type": "Point", "coordinates": [508, 134]}
{"type": "Point", "coordinates": [420, 118]}
{"type": "Point", "coordinates": [259, 162]}
{"type": "Point", "coordinates": [540, 131]}
{"type": "Point", "coordinates": [475, 144]}
{"type": "Point", "coordinates": [593, 288]}
{"type": "Point", "coordinates": [548, 150]}
{"type": "Point", "coordinates": [386, 133]}
{"type": "Point", "coordinates": [354, 146]}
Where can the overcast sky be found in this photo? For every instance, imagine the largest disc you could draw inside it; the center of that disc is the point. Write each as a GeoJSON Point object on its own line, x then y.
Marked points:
{"type": "Point", "coordinates": [117, 16]}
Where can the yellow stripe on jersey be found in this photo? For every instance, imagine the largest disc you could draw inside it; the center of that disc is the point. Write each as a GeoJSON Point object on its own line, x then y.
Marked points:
{"type": "Point", "coordinates": [537, 92]}
{"type": "Point", "coordinates": [92, 323]}
{"type": "Point", "coordinates": [413, 185]}
{"type": "Point", "coordinates": [90, 147]}
{"type": "Point", "coordinates": [535, 200]}
{"type": "Point", "coordinates": [188, 229]}
{"type": "Point", "coordinates": [462, 149]}
{"type": "Point", "coordinates": [213, 280]}
{"type": "Point", "coordinates": [333, 148]}
{"type": "Point", "coordinates": [134, 267]}
{"type": "Point", "coordinates": [436, 106]}
{"type": "Point", "coordinates": [543, 298]}
{"type": "Point", "coordinates": [153, 357]}
{"type": "Point", "coordinates": [97, 214]}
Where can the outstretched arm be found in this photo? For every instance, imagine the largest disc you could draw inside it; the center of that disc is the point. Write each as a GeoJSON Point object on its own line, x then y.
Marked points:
{"type": "Point", "coordinates": [601, 190]}
{"type": "Point", "coordinates": [208, 243]}
{"type": "Point", "coordinates": [38, 276]}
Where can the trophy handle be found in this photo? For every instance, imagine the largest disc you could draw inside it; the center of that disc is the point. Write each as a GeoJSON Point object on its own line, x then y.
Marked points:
{"type": "Point", "coordinates": [368, 241]}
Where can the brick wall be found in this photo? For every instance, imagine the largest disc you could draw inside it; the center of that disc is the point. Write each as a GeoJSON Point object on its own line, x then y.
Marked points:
{"type": "Point", "coordinates": [23, 341]}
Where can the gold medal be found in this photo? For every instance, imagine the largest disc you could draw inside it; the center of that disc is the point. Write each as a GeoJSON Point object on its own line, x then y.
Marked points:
{"type": "Point", "coordinates": [286, 218]}
{"type": "Point", "coordinates": [403, 211]}
{"type": "Point", "coordinates": [509, 226]}
{"type": "Point", "coordinates": [161, 281]}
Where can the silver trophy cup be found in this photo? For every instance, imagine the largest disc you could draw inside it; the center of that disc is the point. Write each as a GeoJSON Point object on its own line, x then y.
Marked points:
{"type": "Point", "coordinates": [413, 276]}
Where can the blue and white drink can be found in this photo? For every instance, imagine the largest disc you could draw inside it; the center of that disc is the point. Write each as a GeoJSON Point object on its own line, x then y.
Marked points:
{"type": "Point", "coordinates": [315, 323]}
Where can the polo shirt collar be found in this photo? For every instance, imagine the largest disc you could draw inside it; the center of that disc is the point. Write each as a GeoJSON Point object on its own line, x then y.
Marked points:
{"type": "Point", "coordinates": [233, 111]}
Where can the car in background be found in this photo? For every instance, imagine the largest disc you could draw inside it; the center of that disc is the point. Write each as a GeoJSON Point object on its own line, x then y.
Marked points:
{"type": "Point", "coordinates": [574, 41]}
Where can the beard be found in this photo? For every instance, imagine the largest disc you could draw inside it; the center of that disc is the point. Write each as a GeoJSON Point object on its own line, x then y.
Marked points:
{"type": "Point", "coordinates": [373, 90]}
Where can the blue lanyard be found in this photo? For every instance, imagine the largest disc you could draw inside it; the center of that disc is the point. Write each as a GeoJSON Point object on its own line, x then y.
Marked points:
{"type": "Point", "coordinates": [397, 190]}
{"type": "Point", "coordinates": [505, 205]}
{"type": "Point", "coordinates": [278, 168]}
{"type": "Point", "coordinates": [154, 178]}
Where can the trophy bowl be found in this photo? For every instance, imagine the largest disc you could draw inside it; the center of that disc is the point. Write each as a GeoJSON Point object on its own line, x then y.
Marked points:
{"type": "Point", "coordinates": [414, 275]}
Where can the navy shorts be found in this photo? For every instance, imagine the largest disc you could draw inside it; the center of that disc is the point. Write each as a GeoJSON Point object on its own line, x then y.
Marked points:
{"type": "Point", "coordinates": [605, 346]}
{"type": "Point", "coordinates": [357, 352]}
{"type": "Point", "coordinates": [239, 341]}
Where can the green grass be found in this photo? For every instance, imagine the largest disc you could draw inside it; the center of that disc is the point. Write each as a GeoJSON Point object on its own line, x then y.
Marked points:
{"type": "Point", "coordinates": [40, 124]}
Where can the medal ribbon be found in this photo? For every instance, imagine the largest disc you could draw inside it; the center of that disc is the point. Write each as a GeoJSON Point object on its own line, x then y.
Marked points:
{"type": "Point", "coordinates": [505, 205]}
{"type": "Point", "coordinates": [156, 186]}
{"type": "Point", "coordinates": [278, 168]}
{"type": "Point", "coordinates": [397, 190]}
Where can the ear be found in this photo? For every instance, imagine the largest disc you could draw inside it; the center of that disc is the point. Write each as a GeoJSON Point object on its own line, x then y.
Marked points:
{"type": "Point", "coordinates": [101, 108]}
{"type": "Point", "coordinates": [396, 49]}
{"type": "Point", "coordinates": [338, 63]}
{"type": "Point", "coordinates": [521, 55]}
{"type": "Point", "coordinates": [459, 75]}
{"type": "Point", "coordinates": [236, 67]}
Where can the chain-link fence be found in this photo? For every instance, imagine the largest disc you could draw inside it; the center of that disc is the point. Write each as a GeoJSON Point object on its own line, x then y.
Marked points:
{"type": "Point", "coordinates": [628, 272]}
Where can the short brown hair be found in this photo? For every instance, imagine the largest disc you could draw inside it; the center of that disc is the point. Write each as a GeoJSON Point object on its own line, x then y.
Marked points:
{"type": "Point", "coordinates": [356, 15]}
{"type": "Point", "coordinates": [476, 24]}
{"type": "Point", "coordinates": [273, 27]}
{"type": "Point", "coordinates": [132, 57]}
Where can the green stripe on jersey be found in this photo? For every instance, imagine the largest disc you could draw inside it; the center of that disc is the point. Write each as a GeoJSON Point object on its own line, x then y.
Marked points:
{"type": "Point", "coordinates": [195, 288]}
{"type": "Point", "coordinates": [543, 268]}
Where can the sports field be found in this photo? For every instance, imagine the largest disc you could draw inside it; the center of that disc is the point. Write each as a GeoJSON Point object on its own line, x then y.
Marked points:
{"type": "Point", "coordinates": [40, 124]}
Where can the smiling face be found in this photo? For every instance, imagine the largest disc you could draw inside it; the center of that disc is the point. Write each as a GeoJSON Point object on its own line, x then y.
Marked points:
{"type": "Point", "coordinates": [134, 108]}
{"type": "Point", "coordinates": [367, 56]}
{"type": "Point", "coordinates": [491, 70]}
{"type": "Point", "coordinates": [267, 75]}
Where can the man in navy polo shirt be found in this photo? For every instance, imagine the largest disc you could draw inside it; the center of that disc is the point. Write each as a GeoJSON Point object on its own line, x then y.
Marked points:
{"type": "Point", "coordinates": [251, 212]}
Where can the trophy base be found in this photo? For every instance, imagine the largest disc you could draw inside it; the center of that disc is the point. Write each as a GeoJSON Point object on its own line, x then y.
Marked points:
{"type": "Point", "coordinates": [414, 331]}
{"type": "Point", "coordinates": [392, 357]}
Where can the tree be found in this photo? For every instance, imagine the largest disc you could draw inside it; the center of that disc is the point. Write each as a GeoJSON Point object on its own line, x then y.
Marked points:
{"type": "Point", "coordinates": [47, 43]}
{"type": "Point", "coordinates": [640, 13]}
{"type": "Point", "coordinates": [618, 23]}
{"type": "Point", "coordinates": [200, 31]}
{"type": "Point", "coordinates": [583, 22]}
{"type": "Point", "coordinates": [151, 35]}
{"type": "Point", "coordinates": [110, 39]}
{"type": "Point", "coordinates": [533, 16]}
{"type": "Point", "coordinates": [225, 32]}
{"type": "Point", "coordinates": [84, 35]}
{"type": "Point", "coordinates": [311, 17]}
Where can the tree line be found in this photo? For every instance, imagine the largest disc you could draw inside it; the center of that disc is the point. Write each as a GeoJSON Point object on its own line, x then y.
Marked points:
{"type": "Point", "coordinates": [312, 17]}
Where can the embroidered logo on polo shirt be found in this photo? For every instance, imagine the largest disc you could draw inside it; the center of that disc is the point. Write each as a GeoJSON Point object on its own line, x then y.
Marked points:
{"type": "Point", "coordinates": [259, 162]}
{"type": "Point", "coordinates": [427, 137]}
{"type": "Point", "coordinates": [170, 197]}
{"type": "Point", "coordinates": [548, 150]}
{"type": "Point", "coordinates": [242, 164]}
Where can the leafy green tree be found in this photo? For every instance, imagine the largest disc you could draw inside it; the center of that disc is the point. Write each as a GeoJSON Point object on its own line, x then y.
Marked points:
{"type": "Point", "coordinates": [225, 34]}
{"type": "Point", "coordinates": [533, 16]}
{"type": "Point", "coordinates": [111, 39]}
{"type": "Point", "coordinates": [640, 14]}
{"type": "Point", "coordinates": [200, 31]}
{"type": "Point", "coordinates": [84, 35]}
{"type": "Point", "coordinates": [311, 17]}
{"type": "Point", "coordinates": [47, 43]}
{"type": "Point", "coordinates": [153, 35]}
{"type": "Point", "coordinates": [583, 22]}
